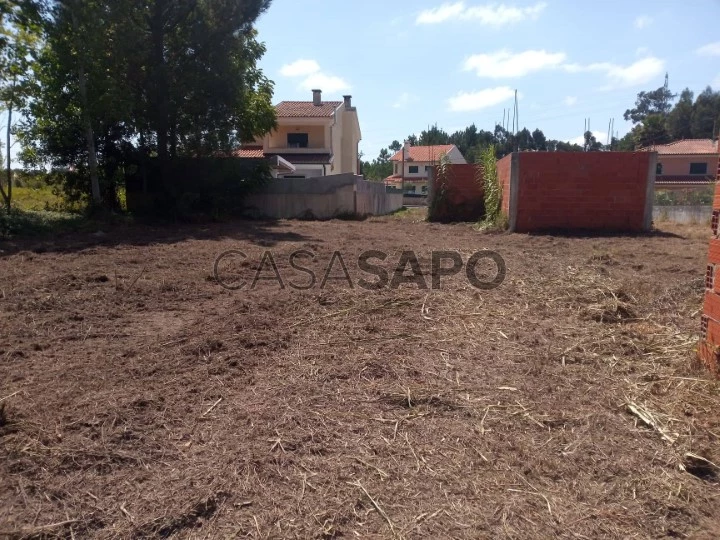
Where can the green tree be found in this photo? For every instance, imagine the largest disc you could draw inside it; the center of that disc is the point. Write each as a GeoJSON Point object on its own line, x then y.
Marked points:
{"type": "Point", "coordinates": [395, 146]}
{"type": "Point", "coordinates": [648, 103]}
{"type": "Point", "coordinates": [706, 114]}
{"type": "Point", "coordinates": [19, 38]}
{"type": "Point", "coordinates": [136, 78]}
{"type": "Point", "coordinates": [679, 120]}
{"type": "Point", "coordinates": [653, 130]}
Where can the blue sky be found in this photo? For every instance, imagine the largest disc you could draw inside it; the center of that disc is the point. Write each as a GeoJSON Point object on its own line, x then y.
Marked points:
{"type": "Point", "coordinates": [413, 63]}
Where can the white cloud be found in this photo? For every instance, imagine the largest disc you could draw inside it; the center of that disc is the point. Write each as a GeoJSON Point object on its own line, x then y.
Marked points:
{"type": "Point", "coordinates": [643, 21]}
{"type": "Point", "coordinates": [569, 101]}
{"type": "Point", "coordinates": [580, 139]}
{"type": "Point", "coordinates": [639, 72]}
{"type": "Point", "coordinates": [505, 64]}
{"type": "Point", "coordinates": [474, 101]}
{"type": "Point", "coordinates": [441, 14]}
{"type": "Point", "coordinates": [313, 77]}
{"type": "Point", "coordinates": [711, 49]}
{"type": "Point", "coordinates": [488, 14]}
{"type": "Point", "coordinates": [716, 82]}
{"type": "Point", "coordinates": [642, 51]}
{"type": "Point", "coordinates": [404, 100]}
{"type": "Point", "coordinates": [300, 68]}
{"type": "Point", "coordinates": [325, 82]}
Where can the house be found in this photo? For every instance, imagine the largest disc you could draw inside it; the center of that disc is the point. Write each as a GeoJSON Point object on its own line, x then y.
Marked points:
{"type": "Point", "coordinates": [313, 138]}
{"type": "Point", "coordinates": [412, 166]}
{"type": "Point", "coordinates": [685, 164]}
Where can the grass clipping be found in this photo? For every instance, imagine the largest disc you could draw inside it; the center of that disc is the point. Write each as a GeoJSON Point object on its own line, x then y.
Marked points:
{"type": "Point", "coordinates": [487, 176]}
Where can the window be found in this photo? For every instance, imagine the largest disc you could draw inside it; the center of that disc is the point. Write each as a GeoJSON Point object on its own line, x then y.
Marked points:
{"type": "Point", "coordinates": [427, 168]}
{"type": "Point", "coordinates": [698, 168]}
{"type": "Point", "coordinates": [658, 169]}
{"type": "Point", "coordinates": [413, 169]}
{"type": "Point", "coordinates": [297, 140]}
{"type": "Point", "coordinates": [293, 176]}
{"type": "Point", "coordinates": [424, 189]}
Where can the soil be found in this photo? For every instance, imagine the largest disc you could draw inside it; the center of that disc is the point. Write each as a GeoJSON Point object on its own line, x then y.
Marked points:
{"type": "Point", "coordinates": [141, 399]}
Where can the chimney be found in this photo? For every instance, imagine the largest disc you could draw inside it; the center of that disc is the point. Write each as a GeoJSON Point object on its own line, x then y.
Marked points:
{"type": "Point", "coordinates": [317, 97]}
{"type": "Point", "coordinates": [348, 103]}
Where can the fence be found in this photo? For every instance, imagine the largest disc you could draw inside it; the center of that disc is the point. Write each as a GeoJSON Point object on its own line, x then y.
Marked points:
{"type": "Point", "coordinates": [321, 198]}
{"type": "Point", "coordinates": [683, 214]}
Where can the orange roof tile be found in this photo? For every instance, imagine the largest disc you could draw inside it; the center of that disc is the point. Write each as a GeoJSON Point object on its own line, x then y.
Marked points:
{"type": "Point", "coordinates": [686, 147]}
{"type": "Point", "coordinates": [424, 153]}
{"type": "Point", "coordinates": [306, 109]}
{"type": "Point", "coordinates": [249, 152]}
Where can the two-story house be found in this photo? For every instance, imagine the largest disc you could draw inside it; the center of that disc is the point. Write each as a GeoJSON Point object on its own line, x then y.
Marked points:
{"type": "Point", "coordinates": [412, 165]}
{"type": "Point", "coordinates": [685, 164]}
{"type": "Point", "coordinates": [313, 138]}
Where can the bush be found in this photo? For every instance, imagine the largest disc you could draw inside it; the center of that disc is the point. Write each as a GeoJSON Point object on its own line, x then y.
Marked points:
{"type": "Point", "coordinates": [188, 187]}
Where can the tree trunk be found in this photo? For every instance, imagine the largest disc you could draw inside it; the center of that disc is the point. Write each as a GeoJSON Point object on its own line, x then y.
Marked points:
{"type": "Point", "coordinates": [8, 196]}
{"type": "Point", "coordinates": [161, 106]}
{"type": "Point", "coordinates": [87, 123]}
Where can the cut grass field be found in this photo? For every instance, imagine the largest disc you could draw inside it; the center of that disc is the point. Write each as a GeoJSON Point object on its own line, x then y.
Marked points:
{"type": "Point", "coordinates": [140, 399]}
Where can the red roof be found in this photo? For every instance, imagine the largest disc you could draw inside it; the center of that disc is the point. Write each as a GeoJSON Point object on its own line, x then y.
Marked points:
{"type": "Point", "coordinates": [249, 152]}
{"type": "Point", "coordinates": [424, 153]}
{"type": "Point", "coordinates": [686, 147]}
{"type": "Point", "coordinates": [306, 109]}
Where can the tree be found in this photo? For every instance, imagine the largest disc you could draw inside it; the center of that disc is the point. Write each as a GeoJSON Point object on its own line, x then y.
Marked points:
{"type": "Point", "coordinates": [653, 130]}
{"type": "Point", "coordinates": [654, 102]}
{"type": "Point", "coordinates": [679, 120]}
{"type": "Point", "coordinates": [433, 137]}
{"type": "Point", "coordinates": [19, 37]}
{"type": "Point", "coordinates": [539, 140]}
{"type": "Point", "coordinates": [706, 114]}
{"type": "Point", "coordinates": [395, 146]}
{"type": "Point", "coordinates": [150, 78]}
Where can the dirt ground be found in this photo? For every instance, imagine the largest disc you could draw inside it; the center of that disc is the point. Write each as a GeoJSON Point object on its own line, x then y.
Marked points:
{"type": "Point", "coordinates": [141, 399]}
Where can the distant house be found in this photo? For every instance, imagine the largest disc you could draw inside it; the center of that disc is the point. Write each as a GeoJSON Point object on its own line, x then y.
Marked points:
{"type": "Point", "coordinates": [412, 165]}
{"type": "Point", "coordinates": [685, 164]}
{"type": "Point", "coordinates": [313, 138]}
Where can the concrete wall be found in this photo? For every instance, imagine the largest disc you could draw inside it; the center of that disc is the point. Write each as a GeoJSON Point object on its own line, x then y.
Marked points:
{"type": "Point", "coordinates": [683, 214]}
{"type": "Point", "coordinates": [607, 191]}
{"type": "Point", "coordinates": [322, 198]}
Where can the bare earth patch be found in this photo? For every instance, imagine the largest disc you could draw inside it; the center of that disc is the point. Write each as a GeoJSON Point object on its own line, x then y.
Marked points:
{"type": "Point", "coordinates": [140, 399]}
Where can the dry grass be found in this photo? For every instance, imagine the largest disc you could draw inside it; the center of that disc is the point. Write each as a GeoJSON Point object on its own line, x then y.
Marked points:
{"type": "Point", "coordinates": [152, 403]}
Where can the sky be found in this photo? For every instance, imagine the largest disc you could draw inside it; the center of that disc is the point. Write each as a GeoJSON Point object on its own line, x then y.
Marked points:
{"type": "Point", "coordinates": [410, 64]}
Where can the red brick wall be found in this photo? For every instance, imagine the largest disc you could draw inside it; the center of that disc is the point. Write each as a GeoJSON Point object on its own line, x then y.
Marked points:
{"type": "Point", "coordinates": [709, 350]}
{"type": "Point", "coordinates": [583, 190]}
{"type": "Point", "coordinates": [504, 171]}
{"type": "Point", "coordinates": [463, 198]}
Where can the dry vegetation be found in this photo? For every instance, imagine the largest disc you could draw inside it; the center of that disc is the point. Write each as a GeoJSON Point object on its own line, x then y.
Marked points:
{"type": "Point", "coordinates": [140, 399]}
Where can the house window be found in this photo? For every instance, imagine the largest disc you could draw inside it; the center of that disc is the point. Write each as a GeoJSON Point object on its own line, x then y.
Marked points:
{"type": "Point", "coordinates": [424, 189]}
{"type": "Point", "coordinates": [658, 169]}
{"type": "Point", "coordinates": [413, 169]}
{"type": "Point", "coordinates": [427, 168]}
{"type": "Point", "coordinates": [297, 140]}
{"type": "Point", "coordinates": [698, 168]}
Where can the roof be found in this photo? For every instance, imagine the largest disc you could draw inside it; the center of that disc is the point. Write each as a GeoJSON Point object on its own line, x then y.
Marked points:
{"type": "Point", "coordinates": [305, 159]}
{"type": "Point", "coordinates": [686, 147]}
{"type": "Point", "coordinates": [249, 152]}
{"type": "Point", "coordinates": [306, 109]}
{"type": "Point", "coordinates": [685, 179]}
{"type": "Point", "coordinates": [424, 153]}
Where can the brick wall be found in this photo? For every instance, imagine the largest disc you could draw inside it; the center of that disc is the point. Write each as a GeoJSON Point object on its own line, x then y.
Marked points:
{"type": "Point", "coordinates": [462, 198]}
{"type": "Point", "coordinates": [504, 171]}
{"type": "Point", "coordinates": [709, 349]}
{"type": "Point", "coordinates": [605, 191]}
